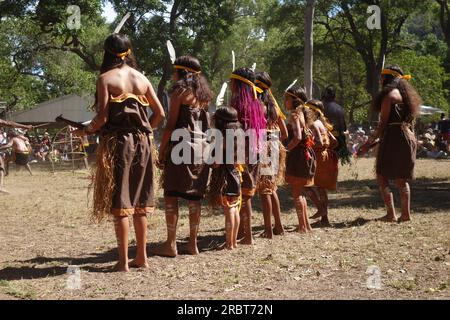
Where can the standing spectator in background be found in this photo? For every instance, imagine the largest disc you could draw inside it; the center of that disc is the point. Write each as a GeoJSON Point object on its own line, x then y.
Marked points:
{"type": "Point", "coordinates": [336, 115]}
{"type": "Point", "coordinates": [44, 148]}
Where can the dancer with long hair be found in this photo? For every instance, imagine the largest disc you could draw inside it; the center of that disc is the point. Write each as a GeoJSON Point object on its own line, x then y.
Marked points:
{"type": "Point", "coordinates": [325, 178]}
{"type": "Point", "coordinates": [244, 98]}
{"type": "Point", "coordinates": [272, 174]}
{"type": "Point", "coordinates": [301, 159]}
{"type": "Point", "coordinates": [123, 184]}
{"type": "Point", "coordinates": [190, 98]}
{"type": "Point", "coordinates": [399, 106]}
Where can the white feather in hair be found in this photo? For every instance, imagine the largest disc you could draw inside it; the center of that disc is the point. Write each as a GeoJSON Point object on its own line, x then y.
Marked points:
{"type": "Point", "coordinates": [172, 53]}
{"type": "Point", "coordinates": [221, 96]}
{"type": "Point", "coordinates": [292, 84]}
{"type": "Point", "coordinates": [122, 22]}
{"type": "Point", "coordinates": [233, 59]}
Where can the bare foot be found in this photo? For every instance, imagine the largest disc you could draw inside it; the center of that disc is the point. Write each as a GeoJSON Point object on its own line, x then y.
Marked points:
{"type": "Point", "coordinates": [193, 249]}
{"type": "Point", "coordinates": [3, 191]}
{"type": "Point", "coordinates": [325, 222]}
{"type": "Point", "coordinates": [278, 231]}
{"type": "Point", "coordinates": [404, 219]}
{"type": "Point", "coordinates": [120, 267]}
{"type": "Point", "coordinates": [135, 264]}
{"type": "Point", "coordinates": [225, 246]}
{"type": "Point", "coordinates": [389, 219]}
{"type": "Point", "coordinates": [267, 234]}
{"type": "Point", "coordinates": [318, 215]}
{"type": "Point", "coordinates": [304, 230]}
{"type": "Point", "coordinates": [247, 242]}
{"type": "Point", "coordinates": [166, 250]}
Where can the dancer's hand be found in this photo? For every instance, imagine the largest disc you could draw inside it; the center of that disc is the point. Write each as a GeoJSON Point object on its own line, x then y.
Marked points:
{"type": "Point", "coordinates": [160, 163]}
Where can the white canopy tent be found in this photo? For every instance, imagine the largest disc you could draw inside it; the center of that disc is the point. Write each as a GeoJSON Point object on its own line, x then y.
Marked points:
{"type": "Point", "coordinates": [72, 107]}
{"type": "Point", "coordinates": [427, 110]}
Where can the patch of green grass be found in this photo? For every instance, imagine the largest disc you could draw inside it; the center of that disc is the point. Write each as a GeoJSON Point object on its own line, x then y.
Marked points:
{"type": "Point", "coordinates": [406, 284]}
{"type": "Point", "coordinates": [4, 283]}
{"type": "Point", "coordinates": [16, 292]}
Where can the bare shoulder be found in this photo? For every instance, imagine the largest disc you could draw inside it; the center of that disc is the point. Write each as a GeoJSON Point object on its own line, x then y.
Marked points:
{"type": "Point", "coordinates": [185, 96]}
{"type": "Point", "coordinates": [395, 96]}
{"type": "Point", "coordinates": [103, 78]}
{"type": "Point", "coordinates": [138, 75]}
{"type": "Point", "coordinates": [320, 126]}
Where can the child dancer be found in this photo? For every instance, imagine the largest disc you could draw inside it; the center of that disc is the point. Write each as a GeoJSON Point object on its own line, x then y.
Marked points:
{"type": "Point", "coordinates": [251, 115]}
{"type": "Point", "coordinates": [225, 184]}
{"type": "Point", "coordinates": [189, 102]}
{"type": "Point", "coordinates": [272, 174]}
{"type": "Point", "coordinates": [327, 161]}
{"type": "Point", "coordinates": [301, 159]}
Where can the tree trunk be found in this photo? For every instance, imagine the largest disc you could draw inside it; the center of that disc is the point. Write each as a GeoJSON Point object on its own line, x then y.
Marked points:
{"type": "Point", "coordinates": [373, 71]}
{"type": "Point", "coordinates": [167, 69]}
{"type": "Point", "coordinates": [445, 20]}
{"type": "Point", "coordinates": [309, 46]}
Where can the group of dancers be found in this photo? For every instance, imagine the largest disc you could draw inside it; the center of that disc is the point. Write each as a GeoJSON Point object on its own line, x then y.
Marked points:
{"type": "Point", "coordinates": [124, 183]}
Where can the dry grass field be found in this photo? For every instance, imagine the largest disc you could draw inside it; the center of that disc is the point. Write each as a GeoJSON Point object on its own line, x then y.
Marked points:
{"type": "Point", "coordinates": [44, 228]}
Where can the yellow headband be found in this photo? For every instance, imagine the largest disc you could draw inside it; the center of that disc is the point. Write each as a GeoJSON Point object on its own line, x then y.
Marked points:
{"type": "Point", "coordinates": [120, 55]}
{"type": "Point", "coordinates": [256, 90]}
{"type": "Point", "coordinates": [293, 95]}
{"type": "Point", "coordinates": [314, 108]}
{"type": "Point", "coordinates": [277, 106]}
{"type": "Point", "coordinates": [187, 69]}
{"type": "Point", "coordinates": [262, 85]}
{"type": "Point", "coordinates": [396, 74]}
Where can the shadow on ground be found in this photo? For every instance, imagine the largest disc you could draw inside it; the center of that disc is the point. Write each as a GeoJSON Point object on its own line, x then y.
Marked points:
{"type": "Point", "coordinates": [428, 195]}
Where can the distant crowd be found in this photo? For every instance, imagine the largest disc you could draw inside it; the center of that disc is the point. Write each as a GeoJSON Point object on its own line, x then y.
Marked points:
{"type": "Point", "coordinates": [433, 139]}
{"type": "Point", "coordinates": [44, 147]}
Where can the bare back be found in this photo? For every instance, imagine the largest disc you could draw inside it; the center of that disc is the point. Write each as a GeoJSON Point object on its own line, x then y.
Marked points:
{"type": "Point", "coordinates": [126, 80]}
{"type": "Point", "coordinates": [19, 145]}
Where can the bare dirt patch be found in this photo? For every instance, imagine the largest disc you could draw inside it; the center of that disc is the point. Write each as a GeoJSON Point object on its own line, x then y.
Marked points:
{"type": "Point", "coordinates": [44, 228]}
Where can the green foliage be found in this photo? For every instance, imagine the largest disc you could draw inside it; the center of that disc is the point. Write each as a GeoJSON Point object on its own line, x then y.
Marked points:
{"type": "Point", "coordinates": [41, 58]}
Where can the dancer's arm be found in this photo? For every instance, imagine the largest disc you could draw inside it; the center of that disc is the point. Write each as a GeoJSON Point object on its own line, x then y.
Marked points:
{"type": "Point", "coordinates": [386, 108]}
{"type": "Point", "coordinates": [158, 114]}
{"type": "Point", "coordinates": [174, 111]}
{"type": "Point", "coordinates": [297, 129]}
{"type": "Point", "coordinates": [283, 129]}
{"type": "Point", "coordinates": [102, 114]}
{"type": "Point", "coordinates": [12, 124]}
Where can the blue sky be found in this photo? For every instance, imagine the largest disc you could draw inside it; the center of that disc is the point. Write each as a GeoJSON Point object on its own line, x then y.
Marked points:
{"type": "Point", "coordinates": [109, 13]}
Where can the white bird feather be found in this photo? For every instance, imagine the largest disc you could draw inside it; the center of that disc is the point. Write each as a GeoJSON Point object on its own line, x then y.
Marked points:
{"type": "Point", "coordinates": [172, 53]}
{"type": "Point", "coordinates": [233, 59]}
{"type": "Point", "coordinates": [292, 84]}
{"type": "Point", "coordinates": [221, 96]}
{"type": "Point", "coordinates": [122, 22]}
